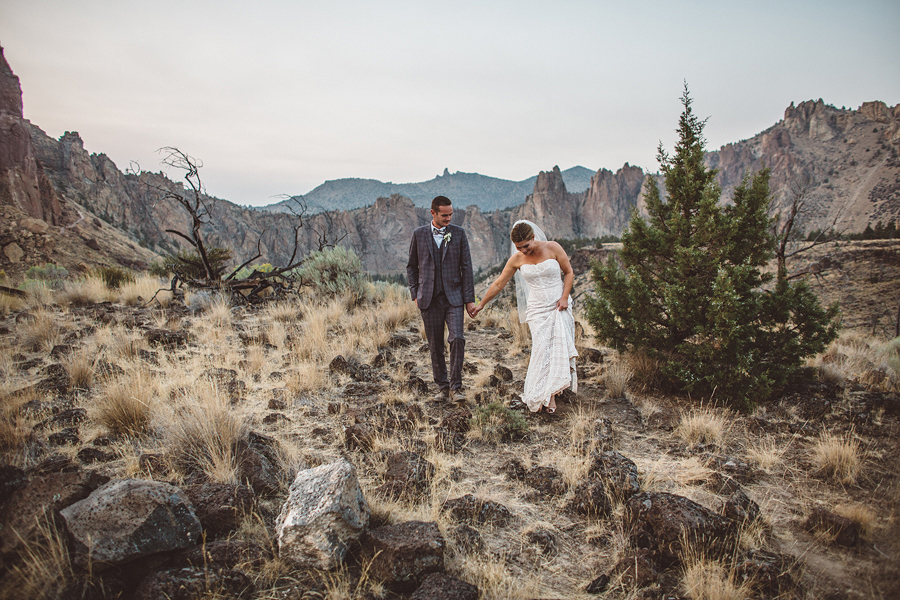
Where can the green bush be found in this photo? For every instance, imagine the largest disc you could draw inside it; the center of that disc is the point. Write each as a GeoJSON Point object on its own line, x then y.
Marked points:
{"type": "Point", "coordinates": [114, 277]}
{"type": "Point", "coordinates": [498, 422]}
{"type": "Point", "coordinates": [159, 269]}
{"type": "Point", "coordinates": [333, 271]}
{"type": "Point", "coordinates": [692, 293]}
{"type": "Point", "coordinates": [50, 274]}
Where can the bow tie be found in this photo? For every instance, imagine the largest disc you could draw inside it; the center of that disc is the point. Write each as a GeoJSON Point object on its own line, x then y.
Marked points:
{"type": "Point", "coordinates": [436, 231]}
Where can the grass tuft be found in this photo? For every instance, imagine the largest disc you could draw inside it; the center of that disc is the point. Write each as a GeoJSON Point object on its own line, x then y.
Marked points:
{"type": "Point", "coordinates": [704, 426]}
{"type": "Point", "coordinates": [837, 458]}
{"type": "Point", "coordinates": [125, 406]}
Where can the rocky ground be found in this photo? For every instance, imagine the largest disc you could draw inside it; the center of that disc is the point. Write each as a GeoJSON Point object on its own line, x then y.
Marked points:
{"type": "Point", "coordinates": [567, 506]}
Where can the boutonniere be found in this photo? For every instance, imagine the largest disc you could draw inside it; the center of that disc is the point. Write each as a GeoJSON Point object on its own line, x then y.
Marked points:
{"type": "Point", "coordinates": [447, 238]}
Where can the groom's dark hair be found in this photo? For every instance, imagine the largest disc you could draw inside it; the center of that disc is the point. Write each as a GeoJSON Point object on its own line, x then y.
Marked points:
{"type": "Point", "coordinates": [440, 201]}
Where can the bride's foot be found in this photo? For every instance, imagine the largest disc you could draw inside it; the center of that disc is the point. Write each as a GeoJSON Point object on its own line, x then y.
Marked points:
{"type": "Point", "coordinates": [551, 408]}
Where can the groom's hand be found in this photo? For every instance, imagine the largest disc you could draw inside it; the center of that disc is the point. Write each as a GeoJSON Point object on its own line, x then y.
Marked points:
{"type": "Point", "coordinates": [470, 308]}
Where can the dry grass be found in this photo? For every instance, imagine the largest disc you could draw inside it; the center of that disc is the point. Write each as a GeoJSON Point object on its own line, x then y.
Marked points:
{"type": "Point", "coordinates": [704, 425]}
{"type": "Point", "coordinates": [617, 377]}
{"type": "Point", "coordinates": [39, 294]}
{"type": "Point", "coordinates": [42, 332]}
{"type": "Point", "coordinates": [205, 434]}
{"type": "Point", "coordinates": [863, 516]}
{"type": "Point", "coordinates": [521, 334]}
{"type": "Point", "coordinates": [766, 452]}
{"type": "Point", "coordinates": [126, 405]}
{"type": "Point", "coordinates": [304, 377]}
{"type": "Point", "coordinates": [45, 569]}
{"type": "Point", "coordinates": [838, 458]}
{"type": "Point", "coordinates": [119, 343]}
{"type": "Point", "coordinates": [645, 368]}
{"type": "Point", "coordinates": [14, 427]}
{"type": "Point", "coordinates": [710, 580]}
{"type": "Point", "coordinates": [312, 344]}
{"type": "Point", "coordinates": [81, 367]}
{"type": "Point", "coordinates": [870, 361]}
{"type": "Point", "coordinates": [142, 289]}
{"type": "Point", "coordinates": [10, 303]}
{"type": "Point", "coordinates": [82, 292]}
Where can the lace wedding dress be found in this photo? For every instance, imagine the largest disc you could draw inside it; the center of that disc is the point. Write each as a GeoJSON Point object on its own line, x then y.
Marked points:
{"type": "Point", "coordinates": [552, 365]}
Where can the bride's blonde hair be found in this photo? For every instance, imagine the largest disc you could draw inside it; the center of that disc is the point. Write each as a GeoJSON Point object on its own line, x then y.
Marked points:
{"type": "Point", "coordinates": [521, 232]}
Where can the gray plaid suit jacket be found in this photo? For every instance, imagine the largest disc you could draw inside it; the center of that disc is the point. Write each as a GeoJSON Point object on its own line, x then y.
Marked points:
{"type": "Point", "coordinates": [458, 280]}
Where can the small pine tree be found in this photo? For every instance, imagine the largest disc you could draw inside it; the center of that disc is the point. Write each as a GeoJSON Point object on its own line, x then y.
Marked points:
{"type": "Point", "coordinates": [692, 292]}
{"type": "Point", "coordinates": [186, 263]}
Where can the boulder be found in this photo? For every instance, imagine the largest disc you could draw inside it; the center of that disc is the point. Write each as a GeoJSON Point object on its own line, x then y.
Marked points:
{"type": "Point", "coordinates": [590, 499]}
{"type": "Point", "coordinates": [618, 473]}
{"type": "Point", "coordinates": [470, 509]}
{"type": "Point", "coordinates": [440, 586]}
{"type": "Point", "coordinates": [407, 476]}
{"type": "Point", "coordinates": [545, 479]}
{"type": "Point", "coordinates": [128, 519]}
{"type": "Point", "coordinates": [189, 583]}
{"type": "Point", "coordinates": [324, 513]}
{"type": "Point", "coordinates": [11, 479]}
{"type": "Point", "coordinates": [219, 506]}
{"type": "Point", "coordinates": [401, 555]}
{"type": "Point", "coordinates": [662, 523]}
{"type": "Point", "coordinates": [37, 503]}
{"type": "Point", "coordinates": [740, 508]}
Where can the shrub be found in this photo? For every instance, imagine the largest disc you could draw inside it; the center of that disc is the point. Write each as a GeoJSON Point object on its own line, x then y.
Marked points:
{"type": "Point", "coordinates": [333, 271]}
{"type": "Point", "coordinates": [114, 277]}
{"type": "Point", "coordinates": [159, 269]}
{"type": "Point", "coordinates": [499, 423]}
{"type": "Point", "coordinates": [692, 292]}
{"type": "Point", "coordinates": [52, 274]}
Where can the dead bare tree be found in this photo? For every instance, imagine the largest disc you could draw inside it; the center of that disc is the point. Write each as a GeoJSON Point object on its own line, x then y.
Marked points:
{"type": "Point", "coordinates": [198, 206]}
{"type": "Point", "coordinates": [788, 245]}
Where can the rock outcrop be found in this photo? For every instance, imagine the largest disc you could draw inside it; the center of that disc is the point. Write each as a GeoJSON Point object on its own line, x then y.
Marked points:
{"type": "Point", "coordinates": [23, 183]}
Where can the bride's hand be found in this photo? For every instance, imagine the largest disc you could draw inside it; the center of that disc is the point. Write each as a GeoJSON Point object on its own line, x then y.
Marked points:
{"type": "Point", "coordinates": [562, 304]}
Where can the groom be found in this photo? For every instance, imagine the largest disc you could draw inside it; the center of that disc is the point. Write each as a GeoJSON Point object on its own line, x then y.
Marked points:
{"type": "Point", "coordinates": [441, 281]}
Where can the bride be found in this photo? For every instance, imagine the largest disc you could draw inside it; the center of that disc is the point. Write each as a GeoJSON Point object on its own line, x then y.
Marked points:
{"type": "Point", "coordinates": [544, 303]}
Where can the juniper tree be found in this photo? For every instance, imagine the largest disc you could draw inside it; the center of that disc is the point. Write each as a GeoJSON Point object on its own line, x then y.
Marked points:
{"type": "Point", "coordinates": [692, 292]}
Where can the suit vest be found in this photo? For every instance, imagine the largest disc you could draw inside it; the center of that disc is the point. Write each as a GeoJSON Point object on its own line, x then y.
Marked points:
{"type": "Point", "coordinates": [438, 268]}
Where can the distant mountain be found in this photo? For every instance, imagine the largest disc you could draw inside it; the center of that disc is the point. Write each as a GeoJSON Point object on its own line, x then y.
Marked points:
{"type": "Point", "coordinates": [464, 189]}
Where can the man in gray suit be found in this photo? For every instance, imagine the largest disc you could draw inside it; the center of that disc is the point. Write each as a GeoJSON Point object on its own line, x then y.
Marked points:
{"type": "Point", "coordinates": [441, 282]}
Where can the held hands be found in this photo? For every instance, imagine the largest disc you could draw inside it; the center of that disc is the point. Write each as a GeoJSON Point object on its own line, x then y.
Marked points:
{"type": "Point", "coordinates": [473, 310]}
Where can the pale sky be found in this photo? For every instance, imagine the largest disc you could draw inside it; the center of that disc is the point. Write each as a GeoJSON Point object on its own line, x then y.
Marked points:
{"type": "Point", "coordinates": [276, 97]}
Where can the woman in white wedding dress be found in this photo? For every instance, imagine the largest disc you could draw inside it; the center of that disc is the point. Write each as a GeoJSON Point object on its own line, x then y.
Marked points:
{"type": "Point", "coordinates": [544, 303]}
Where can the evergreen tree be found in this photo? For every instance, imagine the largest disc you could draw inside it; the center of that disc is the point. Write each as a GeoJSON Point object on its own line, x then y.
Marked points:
{"type": "Point", "coordinates": [692, 292]}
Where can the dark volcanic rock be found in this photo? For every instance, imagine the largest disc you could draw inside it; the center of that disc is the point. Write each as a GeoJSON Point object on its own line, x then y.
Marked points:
{"type": "Point", "coordinates": [401, 555]}
{"type": "Point", "coordinates": [845, 531]}
{"type": "Point", "coordinates": [470, 509]}
{"type": "Point", "coordinates": [219, 506]}
{"type": "Point", "coordinates": [662, 523]}
{"type": "Point", "coordinates": [440, 586]}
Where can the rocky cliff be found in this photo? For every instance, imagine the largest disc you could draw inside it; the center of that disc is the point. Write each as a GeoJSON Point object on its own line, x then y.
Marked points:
{"type": "Point", "coordinates": [847, 162]}
{"type": "Point", "coordinates": [23, 183]}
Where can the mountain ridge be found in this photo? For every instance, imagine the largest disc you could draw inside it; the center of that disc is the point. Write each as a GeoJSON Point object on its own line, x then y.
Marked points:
{"type": "Point", "coordinates": [487, 192]}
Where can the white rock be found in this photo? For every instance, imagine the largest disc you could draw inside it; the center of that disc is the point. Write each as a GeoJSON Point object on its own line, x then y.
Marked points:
{"type": "Point", "coordinates": [325, 511]}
